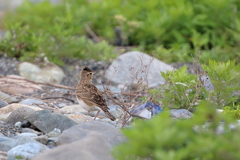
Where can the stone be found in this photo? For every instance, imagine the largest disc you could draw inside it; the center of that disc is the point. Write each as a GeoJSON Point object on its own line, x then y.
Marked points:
{"type": "Point", "coordinates": [13, 84]}
{"type": "Point", "coordinates": [29, 130]}
{"type": "Point", "coordinates": [7, 110]}
{"type": "Point", "coordinates": [54, 133]}
{"type": "Point", "coordinates": [72, 109]}
{"type": "Point", "coordinates": [49, 73]}
{"type": "Point", "coordinates": [26, 151]}
{"type": "Point", "coordinates": [87, 148]}
{"type": "Point", "coordinates": [7, 98]}
{"type": "Point", "coordinates": [79, 118]}
{"type": "Point", "coordinates": [109, 132]}
{"type": "Point", "coordinates": [33, 102]}
{"type": "Point", "coordinates": [20, 114]}
{"type": "Point", "coordinates": [32, 135]}
{"type": "Point", "coordinates": [206, 81]}
{"type": "Point", "coordinates": [46, 121]}
{"type": "Point", "coordinates": [3, 103]}
{"type": "Point", "coordinates": [9, 143]}
{"type": "Point", "coordinates": [43, 139]}
{"type": "Point", "coordinates": [131, 64]}
{"type": "Point", "coordinates": [180, 113]}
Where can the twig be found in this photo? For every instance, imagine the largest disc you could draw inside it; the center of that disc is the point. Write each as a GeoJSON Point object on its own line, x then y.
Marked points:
{"type": "Point", "coordinates": [58, 97]}
{"type": "Point", "coordinates": [91, 33]}
{"type": "Point", "coordinates": [41, 83]}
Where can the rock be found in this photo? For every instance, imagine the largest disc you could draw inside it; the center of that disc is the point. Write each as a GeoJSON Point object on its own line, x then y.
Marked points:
{"type": "Point", "coordinates": [18, 124]}
{"type": "Point", "coordinates": [8, 98]}
{"type": "Point", "coordinates": [13, 84]}
{"type": "Point", "coordinates": [20, 114]}
{"type": "Point", "coordinates": [50, 73]}
{"type": "Point", "coordinates": [46, 121]}
{"type": "Point", "coordinates": [7, 110]}
{"type": "Point", "coordinates": [129, 65]}
{"type": "Point", "coordinates": [26, 151]}
{"type": "Point", "coordinates": [88, 148]}
{"type": "Point", "coordinates": [33, 102]}
{"type": "Point", "coordinates": [3, 155]}
{"type": "Point", "coordinates": [79, 118]}
{"type": "Point", "coordinates": [10, 130]}
{"type": "Point", "coordinates": [55, 133]}
{"type": "Point", "coordinates": [32, 135]}
{"type": "Point", "coordinates": [9, 143]}
{"type": "Point", "coordinates": [73, 109]}
{"type": "Point", "coordinates": [29, 130]}
{"type": "Point", "coordinates": [3, 103]}
{"type": "Point", "coordinates": [109, 132]}
{"type": "Point", "coordinates": [180, 113]}
{"type": "Point", "coordinates": [43, 139]}
{"type": "Point", "coordinates": [3, 117]}
{"type": "Point", "coordinates": [206, 81]}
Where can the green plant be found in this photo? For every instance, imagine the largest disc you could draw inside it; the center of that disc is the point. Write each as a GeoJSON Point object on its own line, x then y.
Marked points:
{"type": "Point", "coordinates": [165, 138]}
{"type": "Point", "coordinates": [54, 31]}
{"type": "Point", "coordinates": [235, 113]}
{"type": "Point", "coordinates": [181, 28]}
{"type": "Point", "coordinates": [225, 79]}
{"type": "Point", "coordinates": [182, 90]}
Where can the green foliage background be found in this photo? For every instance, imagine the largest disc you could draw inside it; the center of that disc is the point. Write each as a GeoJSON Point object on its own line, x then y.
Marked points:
{"type": "Point", "coordinates": [171, 30]}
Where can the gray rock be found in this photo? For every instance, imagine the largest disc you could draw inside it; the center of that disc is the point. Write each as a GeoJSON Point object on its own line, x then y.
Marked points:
{"type": "Point", "coordinates": [26, 151]}
{"type": "Point", "coordinates": [92, 147]}
{"type": "Point", "coordinates": [49, 73]}
{"type": "Point", "coordinates": [46, 121]}
{"type": "Point", "coordinates": [109, 132]}
{"type": "Point", "coordinates": [129, 65]}
{"type": "Point", "coordinates": [3, 103]}
{"type": "Point", "coordinates": [52, 141]}
{"type": "Point", "coordinates": [18, 124]}
{"type": "Point", "coordinates": [180, 113]}
{"type": "Point", "coordinates": [7, 98]}
{"type": "Point", "coordinates": [33, 102]}
{"type": "Point", "coordinates": [206, 81]}
{"type": "Point", "coordinates": [32, 135]}
{"type": "Point", "coordinates": [42, 139]}
{"type": "Point", "coordinates": [29, 130]}
{"type": "Point", "coordinates": [20, 114]}
{"type": "Point", "coordinates": [8, 143]}
{"type": "Point", "coordinates": [55, 133]}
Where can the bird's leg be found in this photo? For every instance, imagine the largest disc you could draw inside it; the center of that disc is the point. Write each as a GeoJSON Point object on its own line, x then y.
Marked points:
{"type": "Point", "coordinates": [96, 114]}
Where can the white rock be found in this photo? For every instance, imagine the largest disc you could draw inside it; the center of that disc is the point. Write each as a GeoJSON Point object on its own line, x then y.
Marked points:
{"type": "Point", "coordinates": [132, 64]}
{"type": "Point", "coordinates": [50, 73]}
{"type": "Point", "coordinates": [26, 151]}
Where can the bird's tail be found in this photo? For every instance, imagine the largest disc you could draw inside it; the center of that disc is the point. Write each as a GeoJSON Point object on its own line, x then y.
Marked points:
{"type": "Point", "coordinates": [110, 115]}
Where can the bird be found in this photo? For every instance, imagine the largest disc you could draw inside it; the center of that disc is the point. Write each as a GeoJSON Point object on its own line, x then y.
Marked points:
{"type": "Point", "coordinates": [88, 95]}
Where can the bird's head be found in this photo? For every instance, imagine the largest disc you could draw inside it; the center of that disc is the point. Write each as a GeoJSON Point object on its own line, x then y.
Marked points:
{"type": "Point", "coordinates": [86, 74]}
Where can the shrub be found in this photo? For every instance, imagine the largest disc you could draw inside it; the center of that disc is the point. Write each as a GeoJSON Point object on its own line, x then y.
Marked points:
{"type": "Point", "coordinates": [184, 90]}
{"type": "Point", "coordinates": [165, 138]}
{"type": "Point", "coordinates": [182, 28]}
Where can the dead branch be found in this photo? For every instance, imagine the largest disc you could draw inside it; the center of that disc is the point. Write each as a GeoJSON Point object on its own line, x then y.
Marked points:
{"type": "Point", "coordinates": [57, 98]}
{"type": "Point", "coordinates": [91, 33]}
{"type": "Point", "coordinates": [39, 83]}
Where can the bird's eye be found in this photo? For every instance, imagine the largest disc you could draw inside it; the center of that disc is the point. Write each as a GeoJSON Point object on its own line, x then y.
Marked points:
{"type": "Point", "coordinates": [90, 73]}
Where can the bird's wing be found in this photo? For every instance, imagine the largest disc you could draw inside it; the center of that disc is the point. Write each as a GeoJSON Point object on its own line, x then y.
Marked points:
{"type": "Point", "coordinates": [90, 94]}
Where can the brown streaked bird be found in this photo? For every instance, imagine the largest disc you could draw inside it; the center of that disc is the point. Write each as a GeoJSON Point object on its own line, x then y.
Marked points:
{"type": "Point", "coordinates": [89, 97]}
